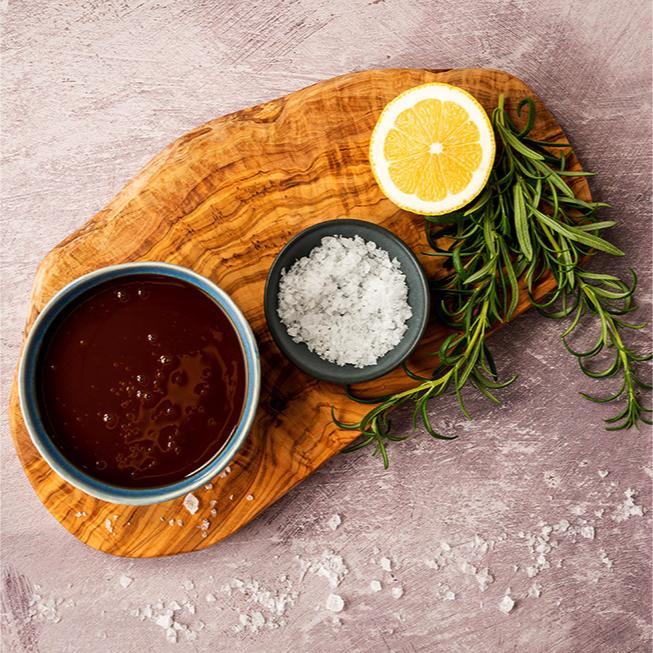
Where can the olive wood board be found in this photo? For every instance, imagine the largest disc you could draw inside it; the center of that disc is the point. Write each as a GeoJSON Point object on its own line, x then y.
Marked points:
{"type": "Point", "coordinates": [223, 199]}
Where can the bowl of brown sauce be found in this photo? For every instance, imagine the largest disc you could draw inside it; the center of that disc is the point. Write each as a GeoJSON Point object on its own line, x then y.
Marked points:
{"type": "Point", "coordinates": [139, 382]}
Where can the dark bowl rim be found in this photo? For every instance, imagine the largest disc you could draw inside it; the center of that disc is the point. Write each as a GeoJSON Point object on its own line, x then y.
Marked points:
{"type": "Point", "coordinates": [373, 371]}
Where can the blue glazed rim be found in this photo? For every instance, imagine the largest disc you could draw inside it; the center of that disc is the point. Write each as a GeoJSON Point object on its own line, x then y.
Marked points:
{"type": "Point", "coordinates": [28, 396]}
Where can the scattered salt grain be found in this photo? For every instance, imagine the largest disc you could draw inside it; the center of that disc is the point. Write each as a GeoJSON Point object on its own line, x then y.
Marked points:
{"type": "Point", "coordinates": [191, 503]}
{"type": "Point", "coordinates": [467, 568]}
{"type": "Point", "coordinates": [603, 473]}
{"type": "Point", "coordinates": [449, 596]}
{"type": "Point", "coordinates": [484, 578]}
{"type": "Point", "coordinates": [535, 591]}
{"type": "Point", "coordinates": [270, 604]}
{"type": "Point", "coordinates": [587, 532]}
{"type": "Point", "coordinates": [397, 591]}
{"type": "Point", "coordinates": [386, 564]}
{"type": "Point", "coordinates": [561, 526]}
{"type": "Point", "coordinates": [506, 604]}
{"type": "Point", "coordinates": [334, 522]}
{"type": "Point", "coordinates": [628, 508]}
{"type": "Point", "coordinates": [188, 584]}
{"type": "Point", "coordinates": [165, 616]}
{"type": "Point", "coordinates": [108, 524]}
{"type": "Point", "coordinates": [375, 586]}
{"type": "Point", "coordinates": [250, 497]}
{"type": "Point", "coordinates": [347, 301]}
{"type": "Point", "coordinates": [125, 581]}
{"type": "Point", "coordinates": [605, 560]}
{"type": "Point", "coordinates": [44, 609]}
{"type": "Point", "coordinates": [330, 566]}
{"type": "Point", "coordinates": [210, 598]}
{"type": "Point", "coordinates": [208, 486]}
{"type": "Point", "coordinates": [335, 603]}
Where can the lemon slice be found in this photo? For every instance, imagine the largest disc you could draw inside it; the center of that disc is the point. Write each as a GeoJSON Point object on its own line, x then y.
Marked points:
{"type": "Point", "coordinates": [432, 149]}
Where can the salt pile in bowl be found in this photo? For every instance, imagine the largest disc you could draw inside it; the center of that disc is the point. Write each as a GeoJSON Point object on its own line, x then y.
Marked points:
{"type": "Point", "coordinates": [347, 301]}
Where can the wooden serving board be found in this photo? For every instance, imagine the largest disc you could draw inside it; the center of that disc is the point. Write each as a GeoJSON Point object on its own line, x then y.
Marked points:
{"type": "Point", "coordinates": [222, 200]}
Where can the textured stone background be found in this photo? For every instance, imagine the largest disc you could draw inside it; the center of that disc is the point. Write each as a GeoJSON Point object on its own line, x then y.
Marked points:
{"type": "Point", "coordinates": [91, 90]}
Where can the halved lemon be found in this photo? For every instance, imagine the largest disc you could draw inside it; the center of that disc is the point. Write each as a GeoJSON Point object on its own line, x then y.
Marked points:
{"type": "Point", "coordinates": [432, 149]}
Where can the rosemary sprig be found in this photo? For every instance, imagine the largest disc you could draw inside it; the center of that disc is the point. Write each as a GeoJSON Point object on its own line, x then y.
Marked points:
{"type": "Point", "coordinates": [527, 224]}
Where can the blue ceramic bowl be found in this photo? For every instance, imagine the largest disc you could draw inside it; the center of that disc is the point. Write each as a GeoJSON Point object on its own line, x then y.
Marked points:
{"type": "Point", "coordinates": [28, 394]}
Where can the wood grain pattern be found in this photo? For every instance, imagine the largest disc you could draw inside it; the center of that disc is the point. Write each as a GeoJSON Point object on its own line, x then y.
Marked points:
{"type": "Point", "coordinates": [222, 200]}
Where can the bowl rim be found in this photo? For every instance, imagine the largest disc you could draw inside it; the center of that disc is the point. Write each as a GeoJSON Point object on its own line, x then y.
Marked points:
{"type": "Point", "coordinates": [358, 375]}
{"type": "Point", "coordinates": [31, 414]}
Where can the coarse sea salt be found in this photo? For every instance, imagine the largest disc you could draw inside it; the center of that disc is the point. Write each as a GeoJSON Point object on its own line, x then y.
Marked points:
{"type": "Point", "coordinates": [125, 581]}
{"type": "Point", "coordinates": [347, 301]}
{"type": "Point", "coordinates": [386, 564]}
{"type": "Point", "coordinates": [506, 604]}
{"type": "Point", "coordinates": [335, 603]}
{"type": "Point", "coordinates": [330, 566]}
{"type": "Point", "coordinates": [191, 503]}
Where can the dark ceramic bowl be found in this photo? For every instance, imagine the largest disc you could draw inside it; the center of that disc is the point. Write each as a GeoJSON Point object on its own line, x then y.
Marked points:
{"type": "Point", "coordinates": [418, 298]}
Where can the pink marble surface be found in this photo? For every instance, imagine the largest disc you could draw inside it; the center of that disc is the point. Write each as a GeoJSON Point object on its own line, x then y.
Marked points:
{"type": "Point", "coordinates": [90, 91]}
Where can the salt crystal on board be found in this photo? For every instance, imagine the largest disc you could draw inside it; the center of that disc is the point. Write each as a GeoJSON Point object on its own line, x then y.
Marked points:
{"type": "Point", "coordinates": [375, 585]}
{"type": "Point", "coordinates": [108, 525]}
{"type": "Point", "coordinates": [191, 503]}
{"type": "Point", "coordinates": [334, 522]}
{"type": "Point", "coordinates": [603, 473]}
{"type": "Point", "coordinates": [397, 591]}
